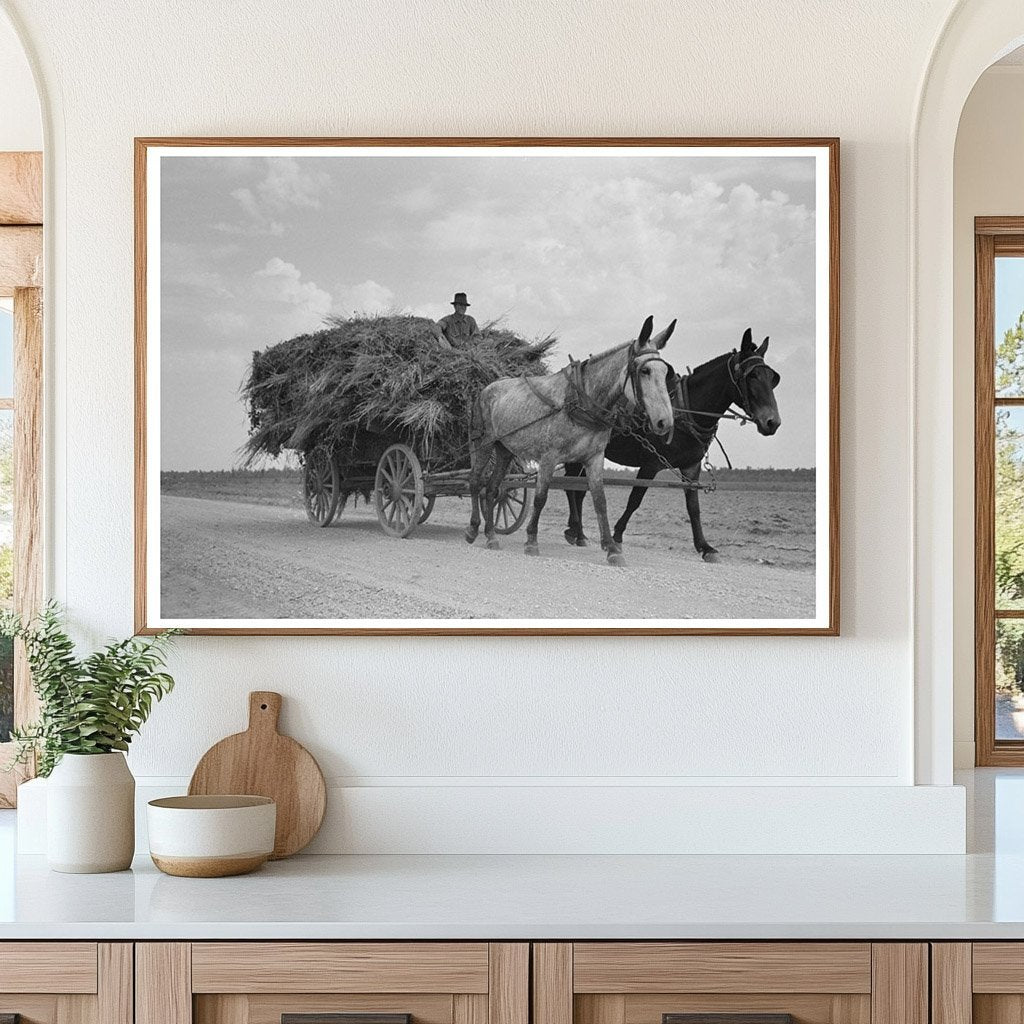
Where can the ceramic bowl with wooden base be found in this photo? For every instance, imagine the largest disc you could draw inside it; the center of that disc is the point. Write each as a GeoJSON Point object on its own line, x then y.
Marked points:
{"type": "Point", "coordinates": [211, 836]}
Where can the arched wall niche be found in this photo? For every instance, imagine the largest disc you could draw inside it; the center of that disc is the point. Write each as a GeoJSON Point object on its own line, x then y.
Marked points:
{"type": "Point", "coordinates": [975, 35]}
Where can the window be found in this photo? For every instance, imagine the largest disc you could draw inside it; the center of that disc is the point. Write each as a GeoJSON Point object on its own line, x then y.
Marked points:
{"type": "Point", "coordinates": [20, 503]}
{"type": "Point", "coordinates": [999, 490]}
{"type": "Point", "coordinates": [6, 514]}
{"type": "Point", "coordinates": [21, 373]}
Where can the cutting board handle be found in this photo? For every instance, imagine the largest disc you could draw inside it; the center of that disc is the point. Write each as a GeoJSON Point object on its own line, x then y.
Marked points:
{"type": "Point", "coordinates": [264, 710]}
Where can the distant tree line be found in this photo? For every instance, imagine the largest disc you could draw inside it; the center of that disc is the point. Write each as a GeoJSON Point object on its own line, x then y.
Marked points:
{"type": "Point", "coordinates": [766, 473]}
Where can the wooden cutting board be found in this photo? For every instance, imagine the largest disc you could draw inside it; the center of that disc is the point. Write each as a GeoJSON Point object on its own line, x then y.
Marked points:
{"type": "Point", "coordinates": [262, 762]}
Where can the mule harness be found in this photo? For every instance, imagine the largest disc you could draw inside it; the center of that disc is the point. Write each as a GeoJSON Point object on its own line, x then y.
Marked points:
{"type": "Point", "coordinates": [581, 407]}
{"type": "Point", "coordinates": [585, 411]}
{"type": "Point", "coordinates": [739, 370]}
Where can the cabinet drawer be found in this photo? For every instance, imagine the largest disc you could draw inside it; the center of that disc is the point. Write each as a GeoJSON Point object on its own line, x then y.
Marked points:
{"type": "Point", "coordinates": [65, 967]}
{"type": "Point", "coordinates": [332, 983]}
{"type": "Point", "coordinates": [998, 967]}
{"type": "Point", "coordinates": [730, 983]}
{"type": "Point", "coordinates": [66, 982]}
{"type": "Point", "coordinates": [340, 967]}
{"type": "Point", "coordinates": [634, 967]}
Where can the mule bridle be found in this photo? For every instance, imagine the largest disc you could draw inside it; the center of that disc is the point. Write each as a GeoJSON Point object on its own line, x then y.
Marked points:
{"type": "Point", "coordinates": [739, 371]}
{"type": "Point", "coordinates": [581, 407]}
{"type": "Point", "coordinates": [739, 368]}
{"type": "Point", "coordinates": [633, 369]}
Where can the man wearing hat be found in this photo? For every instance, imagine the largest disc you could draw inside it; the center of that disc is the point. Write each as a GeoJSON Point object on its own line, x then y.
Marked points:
{"type": "Point", "coordinates": [458, 328]}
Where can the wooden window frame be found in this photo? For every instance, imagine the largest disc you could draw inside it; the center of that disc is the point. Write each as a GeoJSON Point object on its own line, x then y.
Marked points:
{"type": "Point", "coordinates": [993, 237]}
{"type": "Point", "coordinates": [21, 278]}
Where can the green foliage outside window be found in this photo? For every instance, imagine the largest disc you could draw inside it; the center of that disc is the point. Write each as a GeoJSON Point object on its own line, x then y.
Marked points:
{"type": "Point", "coordinates": [6, 575]}
{"type": "Point", "coordinates": [1009, 508]}
{"type": "Point", "coordinates": [6, 688]}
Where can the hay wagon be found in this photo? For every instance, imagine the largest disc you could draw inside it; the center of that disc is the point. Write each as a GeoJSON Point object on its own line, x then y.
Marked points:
{"type": "Point", "coordinates": [375, 406]}
{"type": "Point", "coordinates": [402, 483]}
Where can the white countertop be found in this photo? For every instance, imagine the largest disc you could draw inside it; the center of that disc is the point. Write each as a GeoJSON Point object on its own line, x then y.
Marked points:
{"type": "Point", "coordinates": [517, 897]}
{"type": "Point", "coordinates": [978, 896]}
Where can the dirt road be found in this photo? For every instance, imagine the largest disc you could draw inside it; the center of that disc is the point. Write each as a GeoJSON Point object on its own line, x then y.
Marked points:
{"type": "Point", "coordinates": [228, 559]}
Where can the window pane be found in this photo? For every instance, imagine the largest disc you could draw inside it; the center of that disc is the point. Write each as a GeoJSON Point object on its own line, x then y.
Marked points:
{"type": "Point", "coordinates": [1009, 480]}
{"type": "Point", "coordinates": [6, 567]}
{"type": "Point", "coordinates": [6, 353]}
{"type": "Point", "coordinates": [1009, 679]}
{"type": "Point", "coordinates": [1009, 324]}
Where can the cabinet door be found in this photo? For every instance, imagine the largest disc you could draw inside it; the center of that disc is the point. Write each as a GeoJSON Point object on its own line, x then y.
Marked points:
{"type": "Point", "coordinates": [65, 983]}
{"type": "Point", "coordinates": [332, 983]}
{"type": "Point", "coordinates": [730, 983]}
{"type": "Point", "coordinates": [979, 982]}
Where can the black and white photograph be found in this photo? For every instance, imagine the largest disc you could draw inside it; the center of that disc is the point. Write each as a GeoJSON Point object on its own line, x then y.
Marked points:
{"type": "Point", "coordinates": [494, 386]}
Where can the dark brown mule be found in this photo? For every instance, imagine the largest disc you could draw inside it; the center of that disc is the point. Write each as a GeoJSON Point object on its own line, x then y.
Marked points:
{"type": "Point", "coordinates": [701, 399]}
{"type": "Point", "coordinates": [566, 417]}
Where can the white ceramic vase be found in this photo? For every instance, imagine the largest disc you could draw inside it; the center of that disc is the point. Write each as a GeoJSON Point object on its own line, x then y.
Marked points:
{"type": "Point", "coordinates": [90, 814]}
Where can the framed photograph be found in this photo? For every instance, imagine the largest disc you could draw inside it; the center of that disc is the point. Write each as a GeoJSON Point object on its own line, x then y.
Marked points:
{"type": "Point", "coordinates": [498, 386]}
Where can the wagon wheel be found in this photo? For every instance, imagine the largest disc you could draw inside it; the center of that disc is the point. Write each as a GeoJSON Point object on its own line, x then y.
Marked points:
{"type": "Point", "coordinates": [398, 491]}
{"type": "Point", "coordinates": [321, 486]}
{"type": "Point", "coordinates": [428, 507]}
{"type": "Point", "coordinates": [512, 505]}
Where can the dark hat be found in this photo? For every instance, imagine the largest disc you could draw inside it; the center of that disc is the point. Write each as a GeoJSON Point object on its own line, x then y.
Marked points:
{"type": "Point", "coordinates": [460, 299]}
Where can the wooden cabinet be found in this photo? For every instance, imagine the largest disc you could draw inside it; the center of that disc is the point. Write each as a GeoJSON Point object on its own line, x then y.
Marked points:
{"type": "Point", "coordinates": [755, 982]}
{"type": "Point", "coordinates": [494, 983]}
{"type": "Point", "coordinates": [66, 982]}
{"type": "Point", "coordinates": [308, 982]}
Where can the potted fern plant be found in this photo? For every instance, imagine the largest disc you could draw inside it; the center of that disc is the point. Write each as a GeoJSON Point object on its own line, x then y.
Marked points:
{"type": "Point", "coordinates": [90, 708]}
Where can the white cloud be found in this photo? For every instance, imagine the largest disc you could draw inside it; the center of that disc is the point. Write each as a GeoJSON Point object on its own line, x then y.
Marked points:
{"type": "Point", "coordinates": [256, 222]}
{"type": "Point", "coordinates": [287, 183]}
{"type": "Point", "coordinates": [597, 254]}
{"type": "Point", "coordinates": [280, 283]}
{"type": "Point", "coordinates": [368, 297]}
{"type": "Point", "coordinates": [247, 200]}
{"type": "Point", "coordinates": [431, 310]}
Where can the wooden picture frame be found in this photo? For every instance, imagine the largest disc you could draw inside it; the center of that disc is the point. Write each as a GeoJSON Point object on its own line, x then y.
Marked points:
{"type": "Point", "coordinates": [150, 153]}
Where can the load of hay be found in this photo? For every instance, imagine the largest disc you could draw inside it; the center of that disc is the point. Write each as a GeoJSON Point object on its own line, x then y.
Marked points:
{"type": "Point", "coordinates": [364, 377]}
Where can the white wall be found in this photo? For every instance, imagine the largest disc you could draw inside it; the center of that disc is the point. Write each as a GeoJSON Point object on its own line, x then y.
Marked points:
{"type": "Point", "coordinates": [988, 180]}
{"type": "Point", "coordinates": [434, 715]}
{"type": "Point", "coordinates": [21, 127]}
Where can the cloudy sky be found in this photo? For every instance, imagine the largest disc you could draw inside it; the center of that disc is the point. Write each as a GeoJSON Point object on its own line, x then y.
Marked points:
{"type": "Point", "coordinates": [256, 249]}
